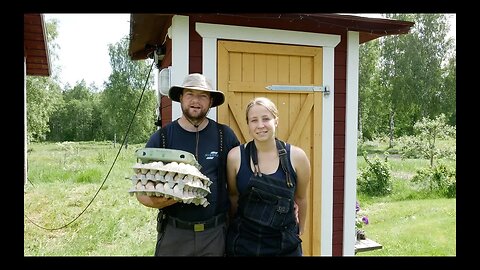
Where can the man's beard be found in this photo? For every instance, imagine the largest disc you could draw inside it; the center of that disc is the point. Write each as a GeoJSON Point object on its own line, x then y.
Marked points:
{"type": "Point", "coordinates": [194, 117]}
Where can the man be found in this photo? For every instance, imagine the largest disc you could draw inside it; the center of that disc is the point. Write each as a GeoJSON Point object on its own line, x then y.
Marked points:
{"type": "Point", "coordinates": [188, 229]}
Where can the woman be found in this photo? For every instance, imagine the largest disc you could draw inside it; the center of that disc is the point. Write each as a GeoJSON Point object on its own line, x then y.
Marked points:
{"type": "Point", "coordinates": [266, 179]}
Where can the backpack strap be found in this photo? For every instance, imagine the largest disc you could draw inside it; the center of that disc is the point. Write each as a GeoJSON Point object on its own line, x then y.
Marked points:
{"type": "Point", "coordinates": [163, 137]}
{"type": "Point", "coordinates": [221, 178]}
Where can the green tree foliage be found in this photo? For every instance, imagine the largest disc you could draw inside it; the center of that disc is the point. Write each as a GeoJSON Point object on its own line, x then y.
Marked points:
{"type": "Point", "coordinates": [373, 110]}
{"type": "Point", "coordinates": [53, 47]}
{"type": "Point", "coordinates": [448, 95]}
{"type": "Point", "coordinates": [85, 113]}
{"type": "Point", "coordinates": [415, 77]}
{"type": "Point", "coordinates": [75, 121]}
{"type": "Point", "coordinates": [79, 92]}
{"type": "Point", "coordinates": [122, 94]}
{"type": "Point", "coordinates": [43, 93]}
{"type": "Point", "coordinates": [43, 99]}
{"type": "Point", "coordinates": [413, 69]}
{"type": "Point", "coordinates": [426, 141]}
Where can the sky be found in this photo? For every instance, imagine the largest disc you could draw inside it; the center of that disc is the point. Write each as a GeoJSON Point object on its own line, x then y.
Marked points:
{"type": "Point", "coordinates": [84, 39]}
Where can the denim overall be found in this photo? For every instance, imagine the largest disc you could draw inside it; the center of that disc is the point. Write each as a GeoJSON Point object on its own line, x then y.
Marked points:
{"type": "Point", "coordinates": [265, 224]}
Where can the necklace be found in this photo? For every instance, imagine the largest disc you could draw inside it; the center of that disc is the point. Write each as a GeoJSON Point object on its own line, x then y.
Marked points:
{"type": "Point", "coordinates": [195, 125]}
{"type": "Point", "coordinates": [197, 135]}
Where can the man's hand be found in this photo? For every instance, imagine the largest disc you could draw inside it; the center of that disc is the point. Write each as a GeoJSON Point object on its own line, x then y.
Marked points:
{"type": "Point", "coordinates": [154, 201]}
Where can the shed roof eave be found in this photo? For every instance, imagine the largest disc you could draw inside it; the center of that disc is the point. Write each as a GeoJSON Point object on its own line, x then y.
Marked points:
{"type": "Point", "coordinates": [35, 45]}
{"type": "Point", "coordinates": [150, 29]}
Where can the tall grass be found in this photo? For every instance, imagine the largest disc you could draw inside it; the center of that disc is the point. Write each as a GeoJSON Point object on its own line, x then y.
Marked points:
{"type": "Point", "coordinates": [409, 221]}
{"type": "Point", "coordinates": [62, 182]}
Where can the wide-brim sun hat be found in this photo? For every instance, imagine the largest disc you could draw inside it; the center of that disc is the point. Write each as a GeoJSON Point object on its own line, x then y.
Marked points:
{"type": "Point", "coordinates": [197, 81]}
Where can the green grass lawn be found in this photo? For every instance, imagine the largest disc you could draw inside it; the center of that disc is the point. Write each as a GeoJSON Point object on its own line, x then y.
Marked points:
{"type": "Point", "coordinates": [62, 182]}
{"type": "Point", "coordinates": [64, 179]}
{"type": "Point", "coordinates": [409, 221]}
{"type": "Point", "coordinates": [412, 228]}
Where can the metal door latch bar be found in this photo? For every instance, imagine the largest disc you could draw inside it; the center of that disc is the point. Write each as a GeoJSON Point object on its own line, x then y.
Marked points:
{"type": "Point", "coordinates": [302, 88]}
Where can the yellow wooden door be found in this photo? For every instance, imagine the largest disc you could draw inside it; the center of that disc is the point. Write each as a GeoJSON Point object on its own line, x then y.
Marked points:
{"type": "Point", "coordinates": [245, 69]}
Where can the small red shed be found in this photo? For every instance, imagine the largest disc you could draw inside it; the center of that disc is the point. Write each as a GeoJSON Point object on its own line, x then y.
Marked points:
{"type": "Point", "coordinates": [306, 63]}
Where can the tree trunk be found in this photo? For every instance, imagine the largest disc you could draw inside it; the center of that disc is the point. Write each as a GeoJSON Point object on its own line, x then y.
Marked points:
{"type": "Point", "coordinates": [392, 127]}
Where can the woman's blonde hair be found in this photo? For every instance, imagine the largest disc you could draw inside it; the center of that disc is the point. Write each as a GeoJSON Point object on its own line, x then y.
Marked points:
{"type": "Point", "coordinates": [265, 102]}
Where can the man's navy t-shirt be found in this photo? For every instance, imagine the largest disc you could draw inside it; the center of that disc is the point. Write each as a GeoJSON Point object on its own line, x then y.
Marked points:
{"type": "Point", "coordinates": [208, 156]}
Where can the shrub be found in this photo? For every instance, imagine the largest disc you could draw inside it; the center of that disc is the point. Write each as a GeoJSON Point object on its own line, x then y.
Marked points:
{"type": "Point", "coordinates": [375, 179]}
{"type": "Point", "coordinates": [427, 140]}
{"type": "Point", "coordinates": [439, 179]}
